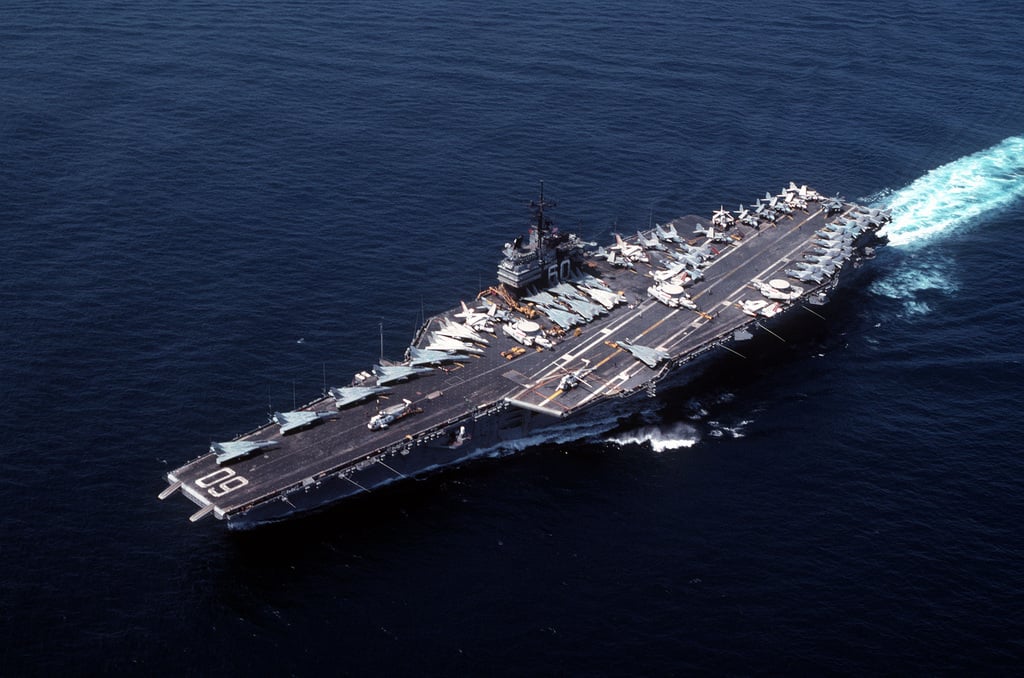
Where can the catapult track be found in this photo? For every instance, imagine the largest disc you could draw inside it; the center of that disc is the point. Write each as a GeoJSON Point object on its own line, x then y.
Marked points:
{"type": "Point", "coordinates": [468, 407]}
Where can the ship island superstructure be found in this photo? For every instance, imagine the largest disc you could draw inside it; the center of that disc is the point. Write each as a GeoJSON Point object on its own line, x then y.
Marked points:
{"type": "Point", "coordinates": [568, 326]}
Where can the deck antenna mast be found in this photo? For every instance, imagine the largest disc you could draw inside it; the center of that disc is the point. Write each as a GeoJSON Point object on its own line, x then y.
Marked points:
{"type": "Point", "coordinates": [381, 326]}
{"type": "Point", "coordinates": [538, 207]}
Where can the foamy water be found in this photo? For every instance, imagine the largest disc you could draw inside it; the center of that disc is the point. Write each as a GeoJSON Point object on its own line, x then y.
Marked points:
{"type": "Point", "coordinates": [661, 439]}
{"type": "Point", "coordinates": [958, 194]}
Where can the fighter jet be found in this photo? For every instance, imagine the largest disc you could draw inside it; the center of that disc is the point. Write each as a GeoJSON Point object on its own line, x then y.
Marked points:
{"type": "Point", "coordinates": [833, 239]}
{"type": "Point", "coordinates": [479, 321]}
{"type": "Point", "coordinates": [842, 252]}
{"type": "Point", "coordinates": [645, 354]}
{"type": "Point", "coordinates": [827, 268]}
{"type": "Point", "coordinates": [351, 395]}
{"type": "Point", "coordinates": [719, 236]}
{"type": "Point", "coordinates": [705, 251]}
{"type": "Point", "coordinates": [764, 211]}
{"type": "Point", "coordinates": [240, 449]}
{"type": "Point", "coordinates": [850, 227]}
{"type": "Point", "coordinates": [689, 278]}
{"type": "Point", "coordinates": [575, 300]}
{"type": "Point", "coordinates": [833, 205]}
{"type": "Point", "coordinates": [614, 258]}
{"type": "Point", "coordinates": [419, 357]}
{"type": "Point", "coordinates": [542, 298]}
{"type": "Point", "coordinates": [560, 316]}
{"type": "Point", "coordinates": [670, 272]}
{"type": "Point", "coordinates": [588, 280]}
{"type": "Point", "coordinates": [745, 217]}
{"type": "Point", "coordinates": [796, 196]}
{"type": "Point", "coordinates": [800, 192]}
{"type": "Point", "coordinates": [805, 275]}
{"type": "Point", "coordinates": [587, 310]}
{"type": "Point", "coordinates": [295, 421]}
{"type": "Point", "coordinates": [833, 236]}
{"type": "Point", "coordinates": [567, 291]}
{"type": "Point", "coordinates": [711, 234]}
{"type": "Point", "coordinates": [822, 259]}
{"type": "Point", "coordinates": [835, 250]}
{"type": "Point", "coordinates": [690, 260]}
{"type": "Point", "coordinates": [460, 332]}
{"type": "Point", "coordinates": [445, 343]}
{"type": "Point", "coordinates": [874, 215]}
{"type": "Point", "coordinates": [628, 250]}
{"type": "Point", "coordinates": [667, 233]}
{"type": "Point", "coordinates": [606, 298]}
{"type": "Point", "coordinates": [650, 242]}
{"type": "Point", "coordinates": [803, 192]}
{"type": "Point", "coordinates": [389, 374]}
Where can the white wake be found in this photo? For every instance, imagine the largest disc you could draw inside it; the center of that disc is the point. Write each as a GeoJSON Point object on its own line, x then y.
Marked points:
{"type": "Point", "coordinates": [957, 194]}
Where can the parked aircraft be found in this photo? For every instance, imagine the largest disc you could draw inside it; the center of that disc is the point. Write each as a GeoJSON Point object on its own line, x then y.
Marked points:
{"type": "Point", "coordinates": [645, 354]}
{"type": "Point", "coordinates": [351, 395]}
{"type": "Point", "coordinates": [441, 342]}
{"type": "Point", "coordinates": [722, 218]}
{"type": "Point", "coordinates": [628, 250]}
{"type": "Point", "coordinates": [298, 420]}
{"type": "Point", "coordinates": [667, 233]}
{"type": "Point", "coordinates": [240, 449]}
{"type": "Point", "coordinates": [478, 320]}
{"type": "Point", "coordinates": [650, 242]}
{"type": "Point", "coordinates": [419, 357]}
{"type": "Point", "coordinates": [389, 374]}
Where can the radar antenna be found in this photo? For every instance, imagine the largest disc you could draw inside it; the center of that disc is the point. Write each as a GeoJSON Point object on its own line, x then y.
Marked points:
{"type": "Point", "coordinates": [541, 223]}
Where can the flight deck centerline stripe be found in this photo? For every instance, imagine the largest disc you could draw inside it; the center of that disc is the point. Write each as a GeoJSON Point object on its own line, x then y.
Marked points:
{"type": "Point", "coordinates": [607, 384]}
{"type": "Point", "coordinates": [655, 325]}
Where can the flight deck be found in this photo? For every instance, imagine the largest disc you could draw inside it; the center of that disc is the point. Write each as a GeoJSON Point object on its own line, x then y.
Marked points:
{"type": "Point", "coordinates": [536, 372]}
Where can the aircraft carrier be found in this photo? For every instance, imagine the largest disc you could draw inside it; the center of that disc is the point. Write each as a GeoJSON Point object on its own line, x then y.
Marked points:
{"type": "Point", "coordinates": [568, 326]}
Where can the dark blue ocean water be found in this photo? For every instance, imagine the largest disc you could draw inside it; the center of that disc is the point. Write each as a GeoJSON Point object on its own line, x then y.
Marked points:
{"type": "Point", "coordinates": [189, 189]}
